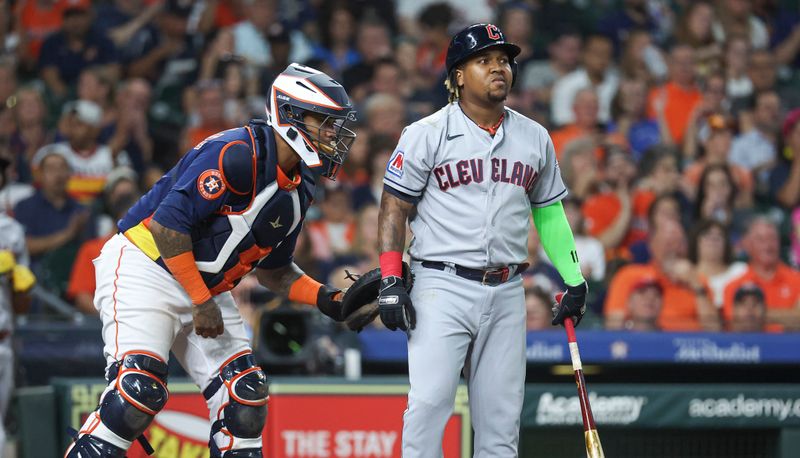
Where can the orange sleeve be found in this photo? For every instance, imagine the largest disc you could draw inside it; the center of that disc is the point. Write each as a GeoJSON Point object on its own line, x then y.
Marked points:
{"type": "Point", "coordinates": [304, 290]}
{"type": "Point", "coordinates": [185, 271]}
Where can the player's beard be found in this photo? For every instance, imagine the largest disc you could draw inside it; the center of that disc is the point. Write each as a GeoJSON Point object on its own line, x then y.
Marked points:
{"type": "Point", "coordinates": [497, 95]}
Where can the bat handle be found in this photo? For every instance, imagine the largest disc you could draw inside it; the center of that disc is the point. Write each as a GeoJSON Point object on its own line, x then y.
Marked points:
{"type": "Point", "coordinates": [570, 327]}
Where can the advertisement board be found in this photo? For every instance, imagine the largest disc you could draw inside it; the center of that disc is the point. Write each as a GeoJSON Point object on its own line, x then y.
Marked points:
{"type": "Point", "coordinates": [330, 418]}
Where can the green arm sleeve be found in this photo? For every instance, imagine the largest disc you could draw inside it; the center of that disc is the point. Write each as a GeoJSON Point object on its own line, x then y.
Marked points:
{"type": "Point", "coordinates": [558, 241]}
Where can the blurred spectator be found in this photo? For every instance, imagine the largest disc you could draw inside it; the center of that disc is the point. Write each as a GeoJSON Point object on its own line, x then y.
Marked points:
{"type": "Point", "coordinates": [580, 168]}
{"type": "Point", "coordinates": [120, 194]}
{"type": "Point", "coordinates": [130, 26]}
{"type": "Point", "coordinates": [590, 250]}
{"type": "Point", "coordinates": [207, 107]}
{"type": "Point", "coordinates": [644, 305]}
{"type": "Point", "coordinates": [540, 272]}
{"type": "Point", "coordinates": [629, 112]}
{"type": "Point", "coordinates": [170, 64]}
{"type": "Point", "coordinates": [658, 171]}
{"type": "Point", "coordinates": [337, 37]}
{"type": "Point", "coordinates": [679, 94]}
{"type": "Point", "coordinates": [665, 208]}
{"type": "Point", "coordinates": [586, 125]}
{"type": "Point", "coordinates": [75, 47]}
{"type": "Point", "coordinates": [538, 313]}
{"type": "Point", "coordinates": [716, 200]}
{"type": "Point", "coordinates": [280, 49]}
{"type": "Point", "coordinates": [784, 178]}
{"type": "Point", "coordinates": [35, 20]}
{"type": "Point", "coordinates": [616, 214]}
{"type": "Point", "coordinates": [95, 86]}
{"type": "Point", "coordinates": [780, 283]}
{"type": "Point", "coordinates": [694, 30]}
{"type": "Point", "coordinates": [434, 22]}
{"type": "Point", "coordinates": [538, 77]}
{"type": "Point", "coordinates": [8, 80]}
{"type": "Point", "coordinates": [597, 72]}
{"type": "Point", "coordinates": [712, 102]}
{"type": "Point", "coordinates": [794, 237]}
{"type": "Point", "coordinates": [585, 108]}
{"type": "Point", "coordinates": [91, 161]}
{"type": "Point", "coordinates": [641, 59]}
{"type": "Point", "coordinates": [716, 139]}
{"type": "Point", "coordinates": [749, 312]}
{"type": "Point", "coordinates": [620, 23]}
{"type": "Point", "coordinates": [515, 19]}
{"type": "Point", "coordinates": [54, 223]}
{"type": "Point", "coordinates": [783, 25]}
{"type": "Point", "coordinates": [385, 115]}
{"type": "Point", "coordinates": [711, 252]}
{"type": "Point", "coordinates": [354, 172]}
{"type": "Point", "coordinates": [364, 252]}
{"type": "Point", "coordinates": [686, 306]}
{"type": "Point", "coordinates": [380, 149]}
{"type": "Point", "coordinates": [333, 234]}
{"type": "Point", "coordinates": [249, 35]}
{"type": "Point", "coordinates": [374, 44]}
{"type": "Point", "coordinates": [755, 146]}
{"type": "Point", "coordinates": [762, 69]}
{"type": "Point", "coordinates": [735, 17]}
{"type": "Point", "coordinates": [31, 133]}
{"type": "Point", "coordinates": [737, 51]}
{"type": "Point", "coordinates": [131, 131]}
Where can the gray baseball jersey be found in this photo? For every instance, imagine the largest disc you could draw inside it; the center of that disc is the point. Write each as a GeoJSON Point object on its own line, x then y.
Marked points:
{"type": "Point", "coordinates": [475, 191]}
{"type": "Point", "coordinates": [13, 240]}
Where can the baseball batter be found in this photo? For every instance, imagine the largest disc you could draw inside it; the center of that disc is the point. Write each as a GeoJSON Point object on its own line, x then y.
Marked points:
{"type": "Point", "coordinates": [15, 282]}
{"type": "Point", "coordinates": [473, 172]}
{"type": "Point", "coordinates": [235, 202]}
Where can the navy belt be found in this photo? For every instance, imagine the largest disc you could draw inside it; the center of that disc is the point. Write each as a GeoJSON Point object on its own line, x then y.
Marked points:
{"type": "Point", "coordinates": [484, 277]}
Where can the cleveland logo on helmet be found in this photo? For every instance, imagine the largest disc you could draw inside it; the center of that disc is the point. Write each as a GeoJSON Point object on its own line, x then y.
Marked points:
{"type": "Point", "coordinates": [298, 90]}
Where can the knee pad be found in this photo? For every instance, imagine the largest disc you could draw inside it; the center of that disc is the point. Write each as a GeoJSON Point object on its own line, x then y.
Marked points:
{"type": "Point", "coordinates": [139, 393]}
{"type": "Point", "coordinates": [136, 392]}
{"type": "Point", "coordinates": [238, 396]}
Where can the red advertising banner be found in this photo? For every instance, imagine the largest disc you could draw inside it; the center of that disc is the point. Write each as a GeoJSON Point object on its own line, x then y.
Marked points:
{"type": "Point", "coordinates": [357, 420]}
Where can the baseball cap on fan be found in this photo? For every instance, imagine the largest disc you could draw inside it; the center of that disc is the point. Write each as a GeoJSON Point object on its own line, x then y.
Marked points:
{"type": "Point", "coordinates": [86, 111]}
{"type": "Point", "coordinates": [748, 289]}
{"type": "Point", "coordinates": [76, 6]}
{"type": "Point", "coordinates": [714, 123]}
{"type": "Point", "coordinates": [647, 282]}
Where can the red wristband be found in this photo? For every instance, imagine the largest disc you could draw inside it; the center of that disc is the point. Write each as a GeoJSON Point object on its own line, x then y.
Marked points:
{"type": "Point", "coordinates": [391, 264]}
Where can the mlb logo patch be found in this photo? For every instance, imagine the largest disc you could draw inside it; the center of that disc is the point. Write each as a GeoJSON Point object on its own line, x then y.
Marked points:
{"type": "Point", "coordinates": [395, 166]}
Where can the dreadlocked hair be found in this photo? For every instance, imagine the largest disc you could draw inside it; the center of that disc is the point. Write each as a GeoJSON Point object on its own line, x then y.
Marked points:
{"type": "Point", "coordinates": [453, 93]}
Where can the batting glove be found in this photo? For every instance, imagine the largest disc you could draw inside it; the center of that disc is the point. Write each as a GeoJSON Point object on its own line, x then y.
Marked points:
{"type": "Point", "coordinates": [571, 303]}
{"type": "Point", "coordinates": [329, 302]}
{"type": "Point", "coordinates": [395, 306]}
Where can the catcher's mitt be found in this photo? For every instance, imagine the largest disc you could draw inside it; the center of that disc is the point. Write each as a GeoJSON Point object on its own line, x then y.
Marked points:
{"type": "Point", "coordinates": [360, 301]}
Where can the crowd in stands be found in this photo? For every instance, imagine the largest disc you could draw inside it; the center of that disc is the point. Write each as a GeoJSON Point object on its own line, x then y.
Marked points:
{"type": "Point", "coordinates": [676, 124]}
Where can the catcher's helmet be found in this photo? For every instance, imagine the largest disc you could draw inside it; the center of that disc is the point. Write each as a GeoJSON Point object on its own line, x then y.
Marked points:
{"type": "Point", "coordinates": [475, 38]}
{"type": "Point", "coordinates": [300, 89]}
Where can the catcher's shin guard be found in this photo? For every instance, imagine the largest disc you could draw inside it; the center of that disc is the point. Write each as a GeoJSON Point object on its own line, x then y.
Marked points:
{"type": "Point", "coordinates": [237, 400]}
{"type": "Point", "coordinates": [136, 392]}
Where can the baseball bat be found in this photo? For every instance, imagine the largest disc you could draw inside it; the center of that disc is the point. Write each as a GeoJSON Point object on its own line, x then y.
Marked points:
{"type": "Point", "coordinates": [593, 447]}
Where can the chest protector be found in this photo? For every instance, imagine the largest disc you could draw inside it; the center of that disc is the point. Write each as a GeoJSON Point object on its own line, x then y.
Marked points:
{"type": "Point", "coordinates": [253, 224]}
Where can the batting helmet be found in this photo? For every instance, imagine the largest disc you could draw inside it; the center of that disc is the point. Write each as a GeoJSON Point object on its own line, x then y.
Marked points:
{"type": "Point", "coordinates": [476, 38]}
